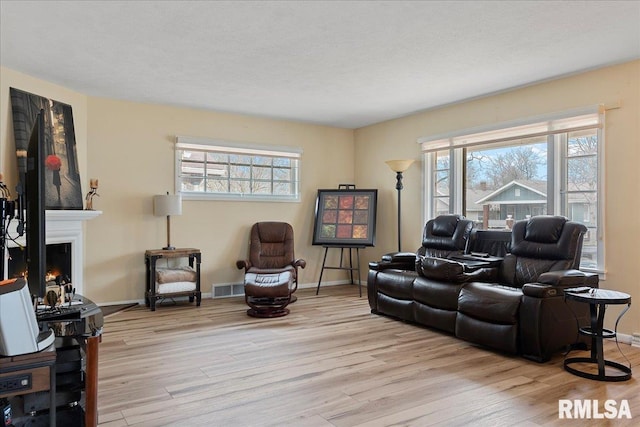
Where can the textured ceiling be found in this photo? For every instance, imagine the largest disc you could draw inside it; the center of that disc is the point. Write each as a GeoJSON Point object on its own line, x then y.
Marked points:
{"type": "Point", "coordinates": [345, 64]}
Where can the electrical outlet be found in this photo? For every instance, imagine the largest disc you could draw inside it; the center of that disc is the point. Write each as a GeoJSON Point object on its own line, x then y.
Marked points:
{"type": "Point", "coordinates": [16, 383]}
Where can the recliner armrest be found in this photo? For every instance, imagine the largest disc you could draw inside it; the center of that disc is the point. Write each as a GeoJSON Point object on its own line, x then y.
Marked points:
{"type": "Point", "coordinates": [243, 264]}
{"type": "Point", "coordinates": [553, 283]}
{"type": "Point", "coordinates": [591, 280]}
{"type": "Point", "coordinates": [540, 290]}
{"type": "Point", "coordinates": [386, 265]}
{"type": "Point", "coordinates": [567, 278]}
{"type": "Point", "coordinates": [396, 261]}
{"type": "Point", "coordinates": [399, 257]}
{"type": "Point", "coordinates": [300, 263]}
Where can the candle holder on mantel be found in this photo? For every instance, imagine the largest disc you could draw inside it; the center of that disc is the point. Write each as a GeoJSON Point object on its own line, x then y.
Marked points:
{"type": "Point", "coordinates": [93, 184]}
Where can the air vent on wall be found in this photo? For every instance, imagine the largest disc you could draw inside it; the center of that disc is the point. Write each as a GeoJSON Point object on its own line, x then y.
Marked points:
{"type": "Point", "coordinates": [225, 291]}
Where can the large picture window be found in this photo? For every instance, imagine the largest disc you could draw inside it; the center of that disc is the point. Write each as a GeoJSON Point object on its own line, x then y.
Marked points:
{"type": "Point", "coordinates": [549, 165]}
{"type": "Point", "coordinates": [207, 169]}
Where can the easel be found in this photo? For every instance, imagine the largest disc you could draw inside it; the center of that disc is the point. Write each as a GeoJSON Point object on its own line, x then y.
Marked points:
{"type": "Point", "coordinates": [351, 268]}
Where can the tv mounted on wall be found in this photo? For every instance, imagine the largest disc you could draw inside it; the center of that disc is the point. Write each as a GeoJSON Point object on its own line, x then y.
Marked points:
{"type": "Point", "coordinates": [35, 210]}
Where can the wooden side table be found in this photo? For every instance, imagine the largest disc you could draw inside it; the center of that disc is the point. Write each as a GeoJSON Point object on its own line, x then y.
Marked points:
{"type": "Point", "coordinates": [152, 256]}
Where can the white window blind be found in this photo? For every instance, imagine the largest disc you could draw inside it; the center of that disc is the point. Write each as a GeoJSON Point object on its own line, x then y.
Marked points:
{"type": "Point", "coordinates": [569, 121]}
{"type": "Point", "coordinates": [217, 169]}
{"type": "Point", "coordinates": [199, 144]}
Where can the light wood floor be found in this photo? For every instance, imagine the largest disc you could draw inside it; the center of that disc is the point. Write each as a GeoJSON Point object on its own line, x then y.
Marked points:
{"type": "Point", "coordinates": [329, 363]}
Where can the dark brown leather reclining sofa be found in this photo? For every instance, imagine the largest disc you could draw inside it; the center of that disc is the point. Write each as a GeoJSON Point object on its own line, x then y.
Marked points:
{"type": "Point", "coordinates": [499, 289]}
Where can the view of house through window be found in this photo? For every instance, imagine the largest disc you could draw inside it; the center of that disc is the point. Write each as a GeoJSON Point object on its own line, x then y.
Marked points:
{"type": "Point", "coordinates": [219, 170]}
{"type": "Point", "coordinates": [518, 178]}
{"type": "Point", "coordinates": [506, 182]}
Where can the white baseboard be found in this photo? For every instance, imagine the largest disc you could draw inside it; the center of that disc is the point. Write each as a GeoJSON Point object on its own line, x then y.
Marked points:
{"type": "Point", "coordinates": [230, 290]}
{"type": "Point", "coordinates": [626, 339]}
{"type": "Point", "coordinates": [210, 294]}
{"type": "Point", "coordinates": [139, 301]}
{"type": "Point", "coordinates": [131, 301]}
{"type": "Point", "coordinates": [324, 284]}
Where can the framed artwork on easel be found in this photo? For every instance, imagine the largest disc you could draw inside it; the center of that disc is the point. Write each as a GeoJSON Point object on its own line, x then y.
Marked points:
{"type": "Point", "coordinates": [345, 217]}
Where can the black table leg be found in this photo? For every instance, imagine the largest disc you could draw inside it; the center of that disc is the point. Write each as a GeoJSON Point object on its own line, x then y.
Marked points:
{"type": "Point", "coordinates": [324, 260]}
{"type": "Point", "coordinates": [598, 333]}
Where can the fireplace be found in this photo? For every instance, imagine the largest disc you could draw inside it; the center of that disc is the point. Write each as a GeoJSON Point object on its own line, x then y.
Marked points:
{"type": "Point", "coordinates": [64, 229]}
{"type": "Point", "coordinates": [58, 266]}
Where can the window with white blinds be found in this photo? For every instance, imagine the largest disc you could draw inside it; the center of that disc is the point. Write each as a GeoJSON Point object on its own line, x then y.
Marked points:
{"type": "Point", "coordinates": [214, 169]}
{"type": "Point", "coordinates": [575, 120]}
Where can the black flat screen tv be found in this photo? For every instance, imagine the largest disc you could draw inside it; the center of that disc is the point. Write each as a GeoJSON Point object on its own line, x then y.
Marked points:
{"type": "Point", "coordinates": [35, 210]}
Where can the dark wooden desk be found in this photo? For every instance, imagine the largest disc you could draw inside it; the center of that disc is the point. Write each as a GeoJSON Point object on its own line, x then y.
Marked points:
{"type": "Point", "coordinates": [36, 372]}
{"type": "Point", "coordinates": [598, 299]}
{"type": "Point", "coordinates": [84, 326]}
{"type": "Point", "coordinates": [152, 256]}
{"type": "Point", "coordinates": [91, 381]}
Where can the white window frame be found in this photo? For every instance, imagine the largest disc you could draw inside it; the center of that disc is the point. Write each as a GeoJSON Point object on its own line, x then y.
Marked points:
{"type": "Point", "coordinates": [550, 125]}
{"type": "Point", "coordinates": [185, 143]}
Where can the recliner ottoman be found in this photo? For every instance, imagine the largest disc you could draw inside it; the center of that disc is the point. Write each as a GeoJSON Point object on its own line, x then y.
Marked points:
{"type": "Point", "coordinates": [268, 294]}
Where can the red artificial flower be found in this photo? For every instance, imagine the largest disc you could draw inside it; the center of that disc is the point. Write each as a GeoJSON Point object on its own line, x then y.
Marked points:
{"type": "Point", "coordinates": [53, 162]}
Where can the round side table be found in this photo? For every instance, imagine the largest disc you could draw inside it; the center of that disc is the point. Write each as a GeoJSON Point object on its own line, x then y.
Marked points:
{"type": "Point", "coordinates": [598, 299]}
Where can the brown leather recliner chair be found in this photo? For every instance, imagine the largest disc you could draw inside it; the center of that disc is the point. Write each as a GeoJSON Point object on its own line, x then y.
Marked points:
{"type": "Point", "coordinates": [517, 307]}
{"type": "Point", "coordinates": [271, 252]}
{"type": "Point", "coordinates": [390, 282]}
{"type": "Point", "coordinates": [522, 309]}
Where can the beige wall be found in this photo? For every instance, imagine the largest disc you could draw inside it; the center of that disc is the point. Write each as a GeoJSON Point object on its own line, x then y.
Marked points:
{"type": "Point", "coordinates": [131, 153]}
{"type": "Point", "coordinates": [616, 85]}
{"type": "Point", "coordinates": [129, 148]}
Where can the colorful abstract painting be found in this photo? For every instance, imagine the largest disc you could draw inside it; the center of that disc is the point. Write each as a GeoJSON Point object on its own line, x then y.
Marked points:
{"type": "Point", "coordinates": [345, 218]}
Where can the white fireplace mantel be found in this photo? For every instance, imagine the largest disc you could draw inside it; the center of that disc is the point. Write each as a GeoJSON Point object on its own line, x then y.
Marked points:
{"type": "Point", "coordinates": [63, 226]}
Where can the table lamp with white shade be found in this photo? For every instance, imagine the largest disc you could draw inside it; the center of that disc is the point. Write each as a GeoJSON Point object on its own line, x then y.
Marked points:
{"type": "Point", "coordinates": [167, 205]}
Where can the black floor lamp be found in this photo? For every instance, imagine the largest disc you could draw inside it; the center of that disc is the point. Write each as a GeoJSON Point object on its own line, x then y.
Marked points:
{"type": "Point", "coordinates": [399, 166]}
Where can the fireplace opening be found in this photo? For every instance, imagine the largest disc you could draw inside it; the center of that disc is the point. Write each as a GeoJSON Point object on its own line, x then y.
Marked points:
{"type": "Point", "coordinates": [58, 266]}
